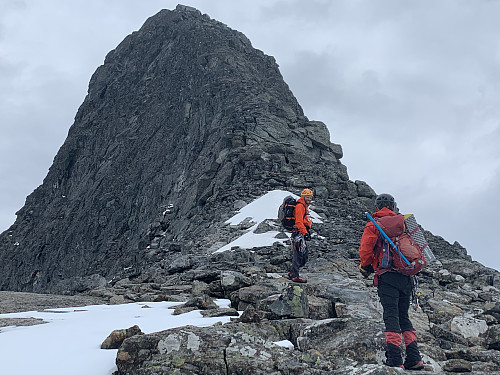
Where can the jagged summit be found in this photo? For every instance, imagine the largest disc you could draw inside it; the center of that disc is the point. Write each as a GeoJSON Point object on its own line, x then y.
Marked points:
{"type": "Point", "coordinates": [183, 118]}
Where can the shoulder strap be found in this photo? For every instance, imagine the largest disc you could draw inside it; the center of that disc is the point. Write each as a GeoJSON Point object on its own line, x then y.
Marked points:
{"type": "Point", "coordinates": [381, 241]}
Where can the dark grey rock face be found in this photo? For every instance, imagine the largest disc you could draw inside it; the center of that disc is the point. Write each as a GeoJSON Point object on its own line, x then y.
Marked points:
{"type": "Point", "coordinates": [184, 118]}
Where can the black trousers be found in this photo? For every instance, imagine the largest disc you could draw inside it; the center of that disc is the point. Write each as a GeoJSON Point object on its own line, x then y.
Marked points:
{"type": "Point", "coordinates": [299, 253]}
{"type": "Point", "coordinates": [394, 290]}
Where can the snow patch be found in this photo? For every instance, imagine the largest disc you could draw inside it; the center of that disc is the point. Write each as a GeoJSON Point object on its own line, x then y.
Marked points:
{"type": "Point", "coordinates": [75, 333]}
{"type": "Point", "coordinates": [265, 207]}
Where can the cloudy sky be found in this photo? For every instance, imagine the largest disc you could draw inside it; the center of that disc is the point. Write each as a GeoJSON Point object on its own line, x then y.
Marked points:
{"type": "Point", "coordinates": [410, 89]}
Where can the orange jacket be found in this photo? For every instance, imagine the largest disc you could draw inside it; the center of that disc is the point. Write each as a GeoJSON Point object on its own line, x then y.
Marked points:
{"type": "Point", "coordinates": [367, 251]}
{"type": "Point", "coordinates": [301, 213]}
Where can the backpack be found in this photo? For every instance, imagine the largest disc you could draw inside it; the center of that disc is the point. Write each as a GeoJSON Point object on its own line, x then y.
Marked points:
{"type": "Point", "coordinates": [285, 212]}
{"type": "Point", "coordinates": [396, 229]}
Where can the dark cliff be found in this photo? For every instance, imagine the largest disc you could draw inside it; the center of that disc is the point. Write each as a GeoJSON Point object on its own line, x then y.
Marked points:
{"type": "Point", "coordinates": [183, 118]}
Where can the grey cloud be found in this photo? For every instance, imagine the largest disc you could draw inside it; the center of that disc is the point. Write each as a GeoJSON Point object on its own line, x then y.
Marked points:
{"type": "Point", "coordinates": [302, 12]}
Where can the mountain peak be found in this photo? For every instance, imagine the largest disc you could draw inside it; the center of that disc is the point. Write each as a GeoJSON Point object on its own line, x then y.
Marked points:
{"type": "Point", "coordinates": [183, 112]}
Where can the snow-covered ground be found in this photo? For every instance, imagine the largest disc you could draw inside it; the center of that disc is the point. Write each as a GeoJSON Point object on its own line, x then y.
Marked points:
{"type": "Point", "coordinates": [69, 343]}
{"type": "Point", "coordinates": [265, 207]}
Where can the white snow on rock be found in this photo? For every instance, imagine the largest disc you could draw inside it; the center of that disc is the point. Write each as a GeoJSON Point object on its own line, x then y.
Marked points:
{"type": "Point", "coordinates": [265, 207]}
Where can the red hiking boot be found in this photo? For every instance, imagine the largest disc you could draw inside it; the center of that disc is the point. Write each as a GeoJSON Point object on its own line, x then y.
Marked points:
{"type": "Point", "coordinates": [298, 280]}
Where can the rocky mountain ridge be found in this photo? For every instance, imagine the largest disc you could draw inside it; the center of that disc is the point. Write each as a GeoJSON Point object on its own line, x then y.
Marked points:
{"type": "Point", "coordinates": [184, 124]}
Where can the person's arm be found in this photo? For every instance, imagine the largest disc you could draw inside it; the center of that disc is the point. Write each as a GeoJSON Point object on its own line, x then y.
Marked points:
{"type": "Point", "coordinates": [299, 214]}
{"type": "Point", "coordinates": [368, 241]}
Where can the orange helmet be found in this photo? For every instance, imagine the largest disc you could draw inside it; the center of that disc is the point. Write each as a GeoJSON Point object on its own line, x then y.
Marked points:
{"type": "Point", "coordinates": [306, 192]}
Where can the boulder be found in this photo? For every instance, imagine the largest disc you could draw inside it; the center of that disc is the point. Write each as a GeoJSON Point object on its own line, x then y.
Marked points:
{"type": "Point", "coordinates": [115, 338]}
{"type": "Point", "coordinates": [457, 365]}
{"type": "Point", "coordinates": [233, 280]}
{"type": "Point", "coordinates": [493, 337]}
{"type": "Point", "coordinates": [468, 326]}
{"type": "Point", "coordinates": [292, 303]}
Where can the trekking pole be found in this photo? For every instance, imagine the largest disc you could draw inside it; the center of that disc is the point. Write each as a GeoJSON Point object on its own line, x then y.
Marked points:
{"type": "Point", "coordinates": [386, 237]}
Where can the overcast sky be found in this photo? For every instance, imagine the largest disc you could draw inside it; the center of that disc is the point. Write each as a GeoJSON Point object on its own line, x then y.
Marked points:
{"type": "Point", "coordinates": [410, 89]}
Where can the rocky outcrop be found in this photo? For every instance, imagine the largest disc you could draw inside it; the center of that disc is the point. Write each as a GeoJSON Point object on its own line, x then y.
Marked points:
{"type": "Point", "coordinates": [332, 324]}
{"type": "Point", "coordinates": [115, 338]}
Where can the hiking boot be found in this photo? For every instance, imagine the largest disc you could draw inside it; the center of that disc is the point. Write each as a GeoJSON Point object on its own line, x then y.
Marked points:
{"type": "Point", "coordinates": [413, 359]}
{"type": "Point", "coordinates": [393, 356]}
{"type": "Point", "coordinates": [290, 276]}
{"type": "Point", "coordinates": [298, 280]}
{"type": "Point", "coordinates": [417, 366]}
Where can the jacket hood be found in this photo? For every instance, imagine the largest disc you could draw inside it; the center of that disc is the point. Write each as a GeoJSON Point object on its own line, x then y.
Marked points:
{"type": "Point", "coordinates": [384, 211]}
{"type": "Point", "coordinates": [302, 200]}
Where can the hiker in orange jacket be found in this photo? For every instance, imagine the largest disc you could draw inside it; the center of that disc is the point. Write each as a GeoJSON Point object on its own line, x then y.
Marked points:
{"type": "Point", "coordinates": [370, 259]}
{"type": "Point", "coordinates": [394, 290]}
{"type": "Point", "coordinates": [300, 234]}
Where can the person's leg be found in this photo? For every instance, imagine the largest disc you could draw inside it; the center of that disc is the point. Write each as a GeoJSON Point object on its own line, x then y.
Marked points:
{"type": "Point", "coordinates": [389, 300]}
{"type": "Point", "coordinates": [304, 253]}
{"type": "Point", "coordinates": [299, 257]}
{"type": "Point", "coordinates": [403, 308]}
{"type": "Point", "coordinates": [413, 358]}
{"type": "Point", "coordinates": [294, 270]}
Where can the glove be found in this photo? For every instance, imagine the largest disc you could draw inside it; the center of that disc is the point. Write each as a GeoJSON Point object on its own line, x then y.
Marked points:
{"type": "Point", "coordinates": [307, 236]}
{"type": "Point", "coordinates": [366, 270]}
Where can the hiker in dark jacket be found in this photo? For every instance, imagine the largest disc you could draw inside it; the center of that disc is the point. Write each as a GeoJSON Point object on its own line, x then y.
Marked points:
{"type": "Point", "coordinates": [394, 290]}
{"type": "Point", "coordinates": [300, 234]}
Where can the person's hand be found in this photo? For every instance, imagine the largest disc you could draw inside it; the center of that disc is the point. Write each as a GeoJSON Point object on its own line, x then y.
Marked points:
{"type": "Point", "coordinates": [366, 270]}
{"type": "Point", "coordinates": [307, 236]}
